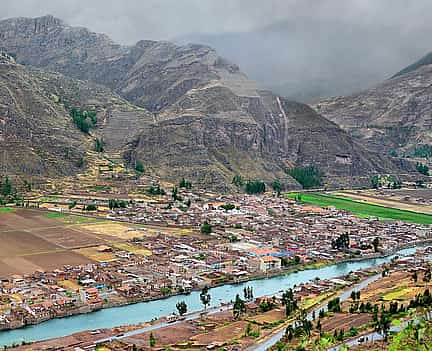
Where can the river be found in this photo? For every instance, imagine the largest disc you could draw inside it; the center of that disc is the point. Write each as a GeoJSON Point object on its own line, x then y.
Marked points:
{"type": "Point", "coordinates": [145, 311]}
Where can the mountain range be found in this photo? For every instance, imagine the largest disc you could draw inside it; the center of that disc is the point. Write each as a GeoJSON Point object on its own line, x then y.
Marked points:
{"type": "Point", "coordinates": [183, 111]}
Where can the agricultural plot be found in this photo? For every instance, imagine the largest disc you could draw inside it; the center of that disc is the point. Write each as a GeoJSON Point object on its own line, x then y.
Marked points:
{"type": "Point", "coordinates": [34, 240]}
{"type": "Point", "coordinates": [115, 230]}
{"type": "Point", "coordinates": [97, 253]}
{"type": "Point", "coordinates": [133, 249]}
{"type": "Point", "coordinates": [364, 209]}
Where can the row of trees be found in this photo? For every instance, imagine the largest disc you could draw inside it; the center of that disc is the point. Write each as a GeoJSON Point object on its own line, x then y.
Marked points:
{"type": "Point", "coordinates": [308, 177]}
{"type": "Point", "coordinates": [113, 203]}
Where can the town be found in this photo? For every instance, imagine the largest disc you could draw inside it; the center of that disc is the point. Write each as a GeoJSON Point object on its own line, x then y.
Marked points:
{"type": "Point", "coordinates": [177, 243]}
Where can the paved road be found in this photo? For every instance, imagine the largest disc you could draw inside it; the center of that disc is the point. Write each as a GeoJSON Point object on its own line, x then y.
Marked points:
{"type": "Point", "coordinates": [189, 317]}
{"type": "Point", "coordinates": [343, 296]}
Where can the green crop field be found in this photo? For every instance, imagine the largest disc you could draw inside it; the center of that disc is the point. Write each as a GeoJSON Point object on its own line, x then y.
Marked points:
{"type": "Point", "coordinates": [362, 209]}
{"type": "Point", "coordinates": [6, 210]}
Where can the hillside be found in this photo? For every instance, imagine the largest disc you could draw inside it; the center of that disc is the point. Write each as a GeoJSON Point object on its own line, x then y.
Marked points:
{"type": "Point", "coordinates": [36, 134]}
{"type": "Point", "coordinates": [395, 116]}
{"type": "Point", "coordinates": [185, 111]}
{"type": "Point", "coordinates": [425, 60]}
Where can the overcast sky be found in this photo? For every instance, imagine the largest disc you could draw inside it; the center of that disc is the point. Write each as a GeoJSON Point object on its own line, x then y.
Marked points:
{"type": "Point", "coordinates": [130, 20]}
{"type": "Point", "coordinates": [351, 43]}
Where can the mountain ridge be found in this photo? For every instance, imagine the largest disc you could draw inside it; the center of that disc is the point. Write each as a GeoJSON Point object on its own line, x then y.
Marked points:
{"type": "Point", "coordinates": [187, 112]}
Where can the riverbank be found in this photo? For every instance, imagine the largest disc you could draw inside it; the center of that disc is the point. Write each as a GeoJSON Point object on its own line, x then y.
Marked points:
{"type": "Point", "coordinates": [88, 309]}
{"type": "Point", "coordinates": [140, 312]}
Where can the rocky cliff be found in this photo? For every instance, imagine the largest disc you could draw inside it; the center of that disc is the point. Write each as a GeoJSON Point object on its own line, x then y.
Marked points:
{"type": "Point", "coordinates": [183, 110]}
{"type": "Point", "coordinates": [394, 117]}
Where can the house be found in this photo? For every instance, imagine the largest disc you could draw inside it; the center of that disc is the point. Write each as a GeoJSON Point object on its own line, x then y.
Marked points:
{"type": "Point", "coordinates": [269, 263]}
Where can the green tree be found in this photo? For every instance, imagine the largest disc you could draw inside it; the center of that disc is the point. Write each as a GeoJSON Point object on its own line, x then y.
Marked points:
{"type": "Point", "coordinates": [375, 181]}
{"type": "Point", "coordinates": [185, 184]}
{"type": "Point", "coordinates": [309, 177]}
{"type": "Point", "coordinates": [255, 187]}
{"type": "Point", "coordinates": [152, 340]}
{"type": "Point", "coordinates": [206, 228]}
{"type": "Point", "coordinates": [238, 181]}
{"type": "Point", "coordinates": [375, 244]}
{"type": "Point", "coordinates": [277, 187]}
{"type": "Point", "coordinates": [205, 296]}
{"type": "Point", "coordinates": [423, 169]}
{"type": "Point", "coordinates": [181, 307]}
{"type": "Point", "coordinates": [99, 145]}
{"type": "Point", "coordinates": [139, 166]}
{"type": "Point", "coordinates": [239, 307]}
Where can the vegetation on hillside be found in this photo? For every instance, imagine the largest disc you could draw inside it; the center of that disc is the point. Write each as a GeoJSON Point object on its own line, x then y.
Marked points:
{"type": "Point", "coordinates": [84, 120]}
{"type": "Point", "coordinates": [308, 177]}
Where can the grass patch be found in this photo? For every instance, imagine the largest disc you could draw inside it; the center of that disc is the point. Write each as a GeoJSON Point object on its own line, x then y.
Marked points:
{"type": "Point", "coordinates": [6, 210]}
{"type": "Point", "coordinates": [397, 294]}
{"type": "Point", "coordinates": [54, 215]}
{"type": "Point", "coordinates": [363, 209]}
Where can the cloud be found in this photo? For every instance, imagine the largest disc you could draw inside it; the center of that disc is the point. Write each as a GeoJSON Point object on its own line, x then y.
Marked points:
{"type": "Point", "coordinates": [356, 42]}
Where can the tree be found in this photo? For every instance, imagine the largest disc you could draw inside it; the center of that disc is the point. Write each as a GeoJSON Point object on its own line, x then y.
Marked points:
{"type": "Point", "coordinates": [152, 340]}
{"type": "Point", "coordinates": [6, 187]}
{"type": "Point", "coordinates": [427, 276]}
{"type": "Point", "coordinates": [255, 187]}
{"type": "Point", "coordinates": [248, 293]}
{"type": "Point", "coordinates": [248, 329]}
{"type": "Point", "coordinates": [90, 207]}
{"type": "Point", "coordinates": [72, 205]}
{"type": "Point", "coordinates": [99, 145]}
{"type": "Point", "coordinates": [382, 326]}
{"type": "Point", "coordinates": [227, 207]}
{"type": "Point", "coordinates": [181, 307]}
{"type": "Point", "coordinates": [375, 244]}
{"type": "Point", "coordinates": [289, 301]}
{"type": "Point", "coordinates": [174, 193]}
{"type": "Point", "coordinates": [414, 277]}
{"type": "Point", "coordinates": [206, 228]}
{"type": "Point", "coordinates": [139, 166]}
{"type": "Point", "coordinates": [205, 297]}
{"type": "Point", "coordinates": [341, 242]}
{"type": "Point", "coordinates": [375, 181]}
{"type": "Point", "coordinates": [277, 187]}
{"type": "Point", "coordinates": [423, 169]}
{"type": "Point", "coordinates": [238, 180]}
{"type": "Point", "coordinates": [308, 177]}
{"type": "Point", "coordinates": [185, 184]}
{"type": "Point", "coordinates": [239, 307]}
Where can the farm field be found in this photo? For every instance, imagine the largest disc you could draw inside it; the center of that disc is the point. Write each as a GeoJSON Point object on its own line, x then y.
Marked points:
{"type": "Point", "coordinates": [38, 240]}
{"type": "Point", "coordinates": [363, 209]}
{"type": "Point", "coordinates": [415, 200]}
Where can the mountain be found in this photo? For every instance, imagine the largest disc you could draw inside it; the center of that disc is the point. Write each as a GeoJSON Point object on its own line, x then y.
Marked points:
{"type": "Point", "coordinates": [183, 110]}
{"type": "Point", "coordinates": [37, 136]}
{"type": "Point", "coordinates": [308, 58]}
{"type": "Point", "coordinates": [395, 116]}
{"type": "Point", "coordinates": [424, 61]}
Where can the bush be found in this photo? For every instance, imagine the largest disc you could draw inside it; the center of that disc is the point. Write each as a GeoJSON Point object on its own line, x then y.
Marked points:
{"type": "Point", "coordinates": [423, 169]}
{"type": "Point", "coordinates": [308, 177]}
{"type": "Point", "coordinates": [206, 228]}
{"type": "Point", "coordinates": [139, 166]}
